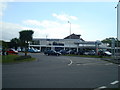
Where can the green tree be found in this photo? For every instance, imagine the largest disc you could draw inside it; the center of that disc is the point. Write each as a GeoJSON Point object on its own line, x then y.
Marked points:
{"type": "Point", "coordinates": [15, 43]}
{"type": "Point", "coordinates": [4, 44]}
{"type": "Point", "coordinates": [25, 37]}
{"type": "Point", "coordinates": [109, 41]}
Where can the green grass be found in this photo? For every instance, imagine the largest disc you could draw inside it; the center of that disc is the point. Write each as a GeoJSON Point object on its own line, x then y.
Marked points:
{"type": "Point", "coordinates": [11, 59]}
{"type": "Point", "coordinates": [90, 56]}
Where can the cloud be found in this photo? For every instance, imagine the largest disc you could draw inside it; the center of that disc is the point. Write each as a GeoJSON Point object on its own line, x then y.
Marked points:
{"type": "Point", "coordinates": [9, 30]}
{"type": "Point", "coordinates": [53, 29]}
{"type": "Point", "coordinates": [44, 23]}
{"type": "Point", "coordinates": [64, 17]}
{"type": "Point", "coordinates": [3, 6]}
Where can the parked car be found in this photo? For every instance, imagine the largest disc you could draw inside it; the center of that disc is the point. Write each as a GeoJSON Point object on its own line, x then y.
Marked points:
{"type": "Point", "coordinates": [86, 53]}
{"type": "Point", "coordinates": [104, 53]}
{"type": "Point", "coordinates": [79, 53]}
{"type": "Point", "coordinates": [107, 53]}
{"type": "Point", "coordinates": [12, 51]}
{"type": "Point", "coordinates": [0, 51]}
{"type": "Point", "coordinates": [32, 50]}
{"type": "Point", "coordinates": [91, 52]}
{"type": "Point", "coordinates": [19, 50]}
{"type": "Point", "coordinates": [63, 52]}
{"type": "Point", "coordinates": [37, 50]}
{"type": "Point", "coordinates": [52, 52]}
{"type": "Point", "coordinates": [71, 52]}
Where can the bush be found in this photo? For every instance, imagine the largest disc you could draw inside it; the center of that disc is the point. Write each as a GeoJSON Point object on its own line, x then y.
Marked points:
{"type": "Point", "coordinates": [23, 57]}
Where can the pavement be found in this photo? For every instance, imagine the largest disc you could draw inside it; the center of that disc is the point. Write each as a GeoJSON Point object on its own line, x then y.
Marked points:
{"type": "Point", "coordinates": [115, 60]}
{"type": "Point", "coordinates": [61, 72]}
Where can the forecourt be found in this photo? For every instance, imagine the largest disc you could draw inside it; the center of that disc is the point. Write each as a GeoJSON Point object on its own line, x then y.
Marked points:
{"type": "Point", "coordinates": [60, 72]}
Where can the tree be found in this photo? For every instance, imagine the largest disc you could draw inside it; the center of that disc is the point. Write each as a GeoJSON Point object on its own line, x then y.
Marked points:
{"type": "Point", "coordinates": [109, 41]}
{"type": "Point", "coordinates": [25, 37]}
{"type": "Point", "coordinates": [15, 42]}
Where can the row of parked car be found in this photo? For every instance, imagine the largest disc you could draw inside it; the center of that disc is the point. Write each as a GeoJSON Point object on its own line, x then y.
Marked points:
{"type": "Point", "coordinates": [61, 52]}
{"type": "Point", "coordinates": [13, 51]}
{"type": "Point", "coordinates": [64, 52]}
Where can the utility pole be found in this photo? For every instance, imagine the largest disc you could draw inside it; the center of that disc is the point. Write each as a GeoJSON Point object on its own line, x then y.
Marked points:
{"type": "Point", "coordinates": [70, 33]}
{"type": "Point", "coordinates": [118, 22]}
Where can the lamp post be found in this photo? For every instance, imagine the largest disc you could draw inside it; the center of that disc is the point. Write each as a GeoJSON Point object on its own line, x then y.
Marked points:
{"type": "Point", "coordinates": [70, 27]}
{"type": "Point", "coordinates": [46, 41]}
{"type": "Point", "coordinates": [118, 21]}
{"type": "Point", "coordinates": [70, 33]}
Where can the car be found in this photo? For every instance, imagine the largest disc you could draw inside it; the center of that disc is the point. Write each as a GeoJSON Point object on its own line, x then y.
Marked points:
{"type": "Point", "coordinates": [0, 51]}
{"type": "Point", "coordinates": [12, 51]}
{"type": "Point", "coordinates": [86, 53]}
{"type": "Point", "coordinates": [37, 50]}
{"type": "Point", "coordinates": [90, 52]}
{"type": "Point", "coordinates": [19, 50]}
{"type": "Point", "coordinates": [71, 52]}
{"type": "Point", "coordinates": [52, 52]}
{"type": "Point", "coordinates": [79, 53]}
{"type": "Point", "coordinates": [32, 50]}
{"type": "Point", "coordinates": [63, 52]}
{"type": "Point", "coordinates": [104, 53]}
{"type": "Point", "coordinates": [107, 53]}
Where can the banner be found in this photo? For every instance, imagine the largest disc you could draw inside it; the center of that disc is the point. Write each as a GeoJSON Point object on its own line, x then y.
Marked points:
{"type": "Point", "coordinates": [118, 20]}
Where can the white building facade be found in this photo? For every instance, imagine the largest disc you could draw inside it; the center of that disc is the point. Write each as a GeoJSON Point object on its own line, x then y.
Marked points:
{"type": "Point", "coordinates": [70, 42]}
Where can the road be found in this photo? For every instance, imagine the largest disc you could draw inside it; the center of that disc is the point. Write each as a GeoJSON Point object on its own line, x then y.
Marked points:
{"type": "Point", "coordinates": [61, 72]}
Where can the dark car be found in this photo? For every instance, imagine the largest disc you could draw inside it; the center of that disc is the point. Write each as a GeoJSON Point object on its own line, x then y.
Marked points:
{"type": "Point", "coordinates": [52, 52]}
{"type": "Point", "coordinates": [91, 52]}
{"type": "Point", "coordinates": [71, 52]}
{"type": "Point", "coordinates": [63, 52]}
{"type": "Point", "coordinates": [79, 53]}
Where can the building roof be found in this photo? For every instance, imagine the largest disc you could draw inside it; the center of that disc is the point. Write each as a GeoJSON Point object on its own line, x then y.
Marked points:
{"type": "Point", "coordinates": [73, 36]}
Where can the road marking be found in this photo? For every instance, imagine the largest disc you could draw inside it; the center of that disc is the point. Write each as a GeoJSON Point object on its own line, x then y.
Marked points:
{"type": "Point", "coordinates": [115, 82]}
{"type": "Point", "coordinates": [70, 62]}
{"type": "Point", "coordinates": [100, 88]}
{"type": "Point", "coordinates": [118, 65]}
{"type": "Point", "coordinates": [109, 64]}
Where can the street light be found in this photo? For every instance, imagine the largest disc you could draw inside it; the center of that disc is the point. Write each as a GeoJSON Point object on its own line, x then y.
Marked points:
{"type": "Point", "coordinates": [70, 33]}
{"type": "Point", "coordinates": [70, 26]}
{"type": "Point", "coordinates": [118, 21]}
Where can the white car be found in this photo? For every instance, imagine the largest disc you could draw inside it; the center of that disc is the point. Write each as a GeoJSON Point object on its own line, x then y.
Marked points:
{"type": "Point", "coordinates": [107, 53]}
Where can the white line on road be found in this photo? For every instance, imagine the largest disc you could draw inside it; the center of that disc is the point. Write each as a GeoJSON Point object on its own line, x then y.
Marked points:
{"type": "Point", "coordinates": [70, 62]}
{"type": "Point", "coordinates": [102, 87]}
{"type": "Point", "coordinates": [109, 64]}
{"type": "Point", "coordinates": [118, 65]}
{"type": "Point", "coordinates": [115, 82]}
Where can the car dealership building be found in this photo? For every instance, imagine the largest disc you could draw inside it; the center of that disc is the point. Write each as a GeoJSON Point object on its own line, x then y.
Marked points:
{"type": "Point", "coordinates": [72, 41]}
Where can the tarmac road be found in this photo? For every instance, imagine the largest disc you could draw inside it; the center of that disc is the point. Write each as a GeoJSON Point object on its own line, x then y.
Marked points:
{"type": "Point", "coordinates": [60, 72]}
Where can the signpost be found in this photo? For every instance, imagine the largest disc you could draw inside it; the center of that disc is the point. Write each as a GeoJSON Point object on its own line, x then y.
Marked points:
{"type": "Point", "coordinates": [118, 20]}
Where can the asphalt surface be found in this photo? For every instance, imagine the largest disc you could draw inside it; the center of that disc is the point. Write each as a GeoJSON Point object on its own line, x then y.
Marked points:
{"type": "Point", "coordinates": [60, 72]}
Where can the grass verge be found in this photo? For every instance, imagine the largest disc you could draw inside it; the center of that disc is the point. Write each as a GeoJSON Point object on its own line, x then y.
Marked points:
{"type": "Point", "coordinates": [11, 59]}
{"type": "Point", "coordinates": [89, 56]}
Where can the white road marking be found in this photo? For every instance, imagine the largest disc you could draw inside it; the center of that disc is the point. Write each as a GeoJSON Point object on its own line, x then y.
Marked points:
{"type": "Point", "coordinates": [102, 87]}
{"type": "Point", "coordinates": [70, 62]}
{"type": "Point", "coordinates": [115, 82]}
{"type": "Point", "coordinates": [109, 64]}
{"type": "Point", "coordinates": [118, 65]}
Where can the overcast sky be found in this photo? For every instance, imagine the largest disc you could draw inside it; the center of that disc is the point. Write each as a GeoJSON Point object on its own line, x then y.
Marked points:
{"type": "Point", "coordinates": [92, 20]}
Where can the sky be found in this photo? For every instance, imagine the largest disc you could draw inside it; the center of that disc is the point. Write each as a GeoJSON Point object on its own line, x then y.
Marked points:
{"type": "Point", "coordinates": [92, 20]}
